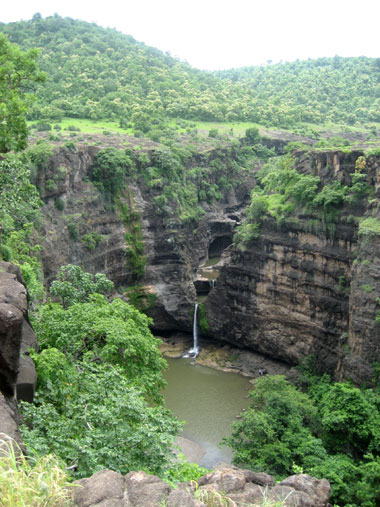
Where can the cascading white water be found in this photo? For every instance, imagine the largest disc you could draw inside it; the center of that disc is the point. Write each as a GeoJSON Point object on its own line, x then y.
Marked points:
{"type": "Point", "coordinates": [194, 351]}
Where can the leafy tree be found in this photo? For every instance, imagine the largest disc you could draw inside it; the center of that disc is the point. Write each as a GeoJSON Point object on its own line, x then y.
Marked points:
{"type": "Point", "coordinates": [351, 424]}
{"type": "Point", "coordinates": [18, 73]}
{"type": "Point", "coordinates": [103, 332]}
{"type": "Point", "coordinates": [109, 170]}
{"type": "Point", "coordinates": [97, 366]}
{"type": "Point", "coordinates": [252, 135]}
{"type": "Point", "coordinates": [19, 199]}
{"type": "Point", "coordinates": [73, 285]}
{"type": "Point", "coordinates": [277, 430]}
{"type": "Point", "coordinates": [331, 432]}
{"type": "Point", "coordinates": [93, 417]}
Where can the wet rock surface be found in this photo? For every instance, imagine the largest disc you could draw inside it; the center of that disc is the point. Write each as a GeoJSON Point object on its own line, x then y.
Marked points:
{"type": "Point", "coordinates": [227, 485]}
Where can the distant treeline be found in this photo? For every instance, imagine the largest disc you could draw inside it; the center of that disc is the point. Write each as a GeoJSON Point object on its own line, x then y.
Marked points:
{"type": "Point", "coordinates": [99, 73]}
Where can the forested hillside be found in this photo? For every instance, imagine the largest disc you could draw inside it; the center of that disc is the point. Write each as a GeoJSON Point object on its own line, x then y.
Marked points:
{"type": "Point", "coordinates": [335, 89]}
{"type": "Point", "coordinates": [99, 73]}
{"type": "Point", "coordinates": [109, 225]}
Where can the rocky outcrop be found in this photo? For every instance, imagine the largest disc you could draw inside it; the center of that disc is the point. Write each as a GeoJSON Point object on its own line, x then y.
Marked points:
{"type": "Point", "coordinates": [173, 250]}
{"type": "Point", "coordinates": [296, 291]}
{"type": "Point", "coordinates": [9, 420]}
{"type": "Point", "coordinates": [17, 373]}
{"type": "Point", "coordinates": [227, 485]}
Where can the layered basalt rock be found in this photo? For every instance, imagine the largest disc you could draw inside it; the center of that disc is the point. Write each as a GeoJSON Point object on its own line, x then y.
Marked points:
{"type": "Point", "coordinates": [293, 293]}
{"type": "Point", "coordinates": [173, 250]}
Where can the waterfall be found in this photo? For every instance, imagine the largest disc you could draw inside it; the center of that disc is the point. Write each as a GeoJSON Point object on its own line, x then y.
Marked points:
{"type": "Point", "coordinates": [195, 348]}
{"type": "Point", "coordinates": [194, 351]}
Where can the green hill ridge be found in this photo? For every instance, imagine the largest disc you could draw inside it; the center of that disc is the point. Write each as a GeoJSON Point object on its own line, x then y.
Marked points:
{"type": "Point", "coordinates": [99, 73]}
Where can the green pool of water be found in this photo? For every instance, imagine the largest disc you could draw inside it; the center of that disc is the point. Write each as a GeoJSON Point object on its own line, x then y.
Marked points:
{"type": "Point", "coordinates": [209, 401]}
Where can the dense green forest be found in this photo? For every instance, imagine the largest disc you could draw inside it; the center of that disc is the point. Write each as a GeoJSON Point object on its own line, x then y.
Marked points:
{"type": "Point", "coordinates": [99, 400]}
{"type": "Point", "coordinates": [95, 73]}
{"type": "Point", "coordinates": [332, 430]}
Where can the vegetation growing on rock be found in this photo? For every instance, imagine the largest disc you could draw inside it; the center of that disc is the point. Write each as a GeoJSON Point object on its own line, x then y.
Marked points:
{"type": "Point", "coordinates": [284, 192]}
{"type": "Point", "coordinates": [99, 402]}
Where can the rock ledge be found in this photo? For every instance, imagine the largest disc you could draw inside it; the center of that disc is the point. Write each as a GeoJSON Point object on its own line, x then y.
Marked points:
{"type": "Point", "coordinates": [227, 486]}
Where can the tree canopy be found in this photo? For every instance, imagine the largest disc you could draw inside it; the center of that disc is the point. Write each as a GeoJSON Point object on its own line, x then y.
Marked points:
{"type": "Point", "coordinates": [330, 432]}
{"type": "Point", "coordinates": [100, 73]}
{"type": "Point", "coordinates": [18, 75]}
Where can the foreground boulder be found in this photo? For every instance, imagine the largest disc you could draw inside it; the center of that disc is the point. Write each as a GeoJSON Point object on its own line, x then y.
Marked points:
{"type": "Point", "coordinates": [227, 486]}
{"type": "Point", "coordinates": [17, 372]}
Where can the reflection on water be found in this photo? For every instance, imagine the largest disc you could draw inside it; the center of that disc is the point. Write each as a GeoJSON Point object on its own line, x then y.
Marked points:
{"type": "Point", "coordinates": [209, 401]}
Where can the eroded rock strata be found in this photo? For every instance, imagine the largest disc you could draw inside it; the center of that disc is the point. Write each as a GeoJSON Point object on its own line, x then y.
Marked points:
{"type": "Point", "coordinates": [295, 291]}
{"type": "Point", "coordinates": [173, 250]}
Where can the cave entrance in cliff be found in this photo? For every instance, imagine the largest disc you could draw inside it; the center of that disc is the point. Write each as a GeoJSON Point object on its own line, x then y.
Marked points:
{"type": "Point", "coordinates": [217, 246]}
{"type": "Point", "coordinates": [208, 271]}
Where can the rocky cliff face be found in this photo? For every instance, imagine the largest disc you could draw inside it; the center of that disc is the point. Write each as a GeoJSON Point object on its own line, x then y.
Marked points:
{"type": "Point", "coordinates": [173, 250]}
{"type": "Point", "coordinates": [17, 372]}
{"type": "Point", "coordinates": [294, 292]}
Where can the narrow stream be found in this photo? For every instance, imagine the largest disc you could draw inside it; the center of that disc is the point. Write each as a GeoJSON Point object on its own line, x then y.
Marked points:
{"type": "Point", "coordinates": [209, 401]}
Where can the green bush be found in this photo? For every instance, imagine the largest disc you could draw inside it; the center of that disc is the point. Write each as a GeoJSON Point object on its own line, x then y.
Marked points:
{"type": "Point", "coordinates": [6, 253]}
{"type": "Point", "coordinates": [72, 128]}
{"type": "Point", "coordinates": [109, 171]}
{"type": "Point", "coordinates": [42, 126]}
{"type": "Point", "coordinates": [369, 227]}
{"type": "Point", "coordinates": [50, 185]}
{"type": "Point", "coordinates": [40, 154]}
{"type": "Point", "coordinates": [70, 145]}
{"type": "Point", "coordinates": [59, 203]}
{"type": "Point", "coordinates": [252, 135]}
{"type": "Point", "coordinates": [72, 228]}
{"type": "Point", "coordinates": [91, 240]}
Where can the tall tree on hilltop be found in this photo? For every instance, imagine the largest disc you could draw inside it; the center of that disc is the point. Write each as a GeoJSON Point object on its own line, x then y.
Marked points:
{"type": "Point", "coordinates": [18, 73]}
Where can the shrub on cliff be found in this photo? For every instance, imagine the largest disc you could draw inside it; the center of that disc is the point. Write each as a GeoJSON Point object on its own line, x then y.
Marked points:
{"type": "Point", "coordinates": [109, 170]}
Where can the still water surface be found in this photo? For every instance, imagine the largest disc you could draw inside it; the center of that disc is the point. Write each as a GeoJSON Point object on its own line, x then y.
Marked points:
{"type": "Point", "coordinates": [209, 401]}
